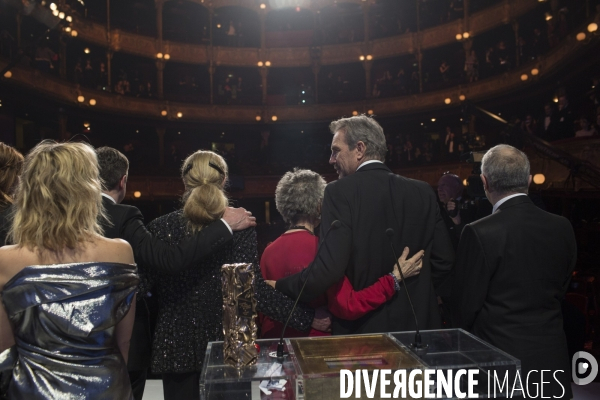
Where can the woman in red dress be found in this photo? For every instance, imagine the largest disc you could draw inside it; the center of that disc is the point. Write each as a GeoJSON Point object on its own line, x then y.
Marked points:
{"type": "Point", "coordinates": [298, 199]}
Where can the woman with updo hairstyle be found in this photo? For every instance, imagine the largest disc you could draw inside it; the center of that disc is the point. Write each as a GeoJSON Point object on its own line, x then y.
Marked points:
{"type": "Point", "coordinates": [190, 303]}
{"type": "Point", "coordinates": [298, 199]}
{"type": "Point", "coordinates": [11, 164]}
{"type": "Point", "coordinates": [68, 294]}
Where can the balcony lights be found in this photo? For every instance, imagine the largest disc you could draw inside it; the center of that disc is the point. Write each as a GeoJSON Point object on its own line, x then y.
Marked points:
{"type": "Point", "coordinates": [80, 99]}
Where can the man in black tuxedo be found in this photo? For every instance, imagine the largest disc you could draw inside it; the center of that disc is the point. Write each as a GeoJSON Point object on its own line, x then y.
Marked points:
{"type": "Point", "coordinates": [513, 268]}
{"type": "Point", "coordinates": [367, 200]}
{"type": "Point", "coordinates": [126, 222]}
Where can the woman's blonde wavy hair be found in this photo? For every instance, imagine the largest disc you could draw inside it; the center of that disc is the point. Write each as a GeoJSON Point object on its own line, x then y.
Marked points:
{"type": "Point", "coordinates": [204, 174]}
{"type": "Point", "coordinates": [11, 164]}
{"type": "Point", "coordinates": [58, 201]}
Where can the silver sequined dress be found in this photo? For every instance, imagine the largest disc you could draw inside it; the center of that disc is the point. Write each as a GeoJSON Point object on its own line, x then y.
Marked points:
{"type": "Point", "coordinates": [64, 318]}
{"type": "Point", "coordinates": [190, 310]}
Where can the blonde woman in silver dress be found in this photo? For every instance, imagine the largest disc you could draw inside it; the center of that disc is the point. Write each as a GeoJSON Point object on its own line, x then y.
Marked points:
{"type": "Point", "coordinates": [67, 292]}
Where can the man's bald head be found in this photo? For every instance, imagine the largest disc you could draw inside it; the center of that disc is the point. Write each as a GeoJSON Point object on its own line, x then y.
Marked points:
{"type": "Point", "coordinates": [449, 187]}
{"type": "Point", "coordinates": [506, 170]}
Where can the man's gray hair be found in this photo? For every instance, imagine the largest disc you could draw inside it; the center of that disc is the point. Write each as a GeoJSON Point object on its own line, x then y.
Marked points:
{"type": "Point", "coordinates": [364, 129]}
{"type": "Point", "coordinates": [506, 169]}
{"type": "Point", "coordinates": [299, 194]}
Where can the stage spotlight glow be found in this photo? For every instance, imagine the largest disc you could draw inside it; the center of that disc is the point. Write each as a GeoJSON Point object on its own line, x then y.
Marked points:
{"type": "Point", "coordinates": [535, 72]}
{"type": "Point", "coordinates": [581, 36]}
{"type": "Point", "coordinates": [179, 115]}
{"type": "Point", "coordinates": [61, 15]}
{"type": "Point", "coordinates": [8, 74]}
{"type": "Point", "coordinates": [462, 97]}
{"type": "Point", "coordinates": [86, 50]}
{"type": "Point", "coordinates": [167, 56]}
{"type": "Point", "coordinates": [458, 36]}
{"type": "Point", "coordinates": [369, 57]}
{"type": "Point", "coordinates": [53, 6]}
{"type": "Point", "coordinates": [267, 63]}
{"type": "Point", "coordinates": [74, 33]}
{"type": "Point", "coordinates": [355, 113]}
{"type": "Point", "coordinates": [68, 29]}
{"type": "Point", "coordinates": [263, 6]}
{"type": "Point", "coordinates": [370, 112]}
{"type": "Point", "coordinates": [137, 194]}
{"type": "Point", "coordinates": [466, 35]}
{"type": "Point", "coordinates": [92, 102]}
{"type": "Point", "coordinates": [258, 118]}
{"type": "Point", "coordinates": [361, 58]}
{"type": "Point", "coordinates": [163, 113]}
{"type": "Point", "coordinates": [465, 183]}
{"type": "Point", "coordinates": [260, 63]}
{"type": "Point", "coordinates": [69, 18]}
{"type": "Point", "coordinates": [538, 179]}
{"type": "Point", "coordinates": [593, 27]}
{"type": "Point", "coordinates": [524, 77]}
{"type": "Point", "coordinates": [80, 99]}
{"type": "Point", "coordinates": [448, 100]}
{"type": "Point", "coordinates": [274, 118]}
{"type": "Point", "coordinates": [159, 55]}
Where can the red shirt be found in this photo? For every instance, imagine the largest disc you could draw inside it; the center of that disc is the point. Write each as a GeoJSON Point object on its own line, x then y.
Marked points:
{"type": "Point", "coordinates": [290, 254]}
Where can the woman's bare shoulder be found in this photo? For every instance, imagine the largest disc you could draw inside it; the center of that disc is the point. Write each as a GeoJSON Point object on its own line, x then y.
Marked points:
{"type": "Point", "coordinates": [112, 250]}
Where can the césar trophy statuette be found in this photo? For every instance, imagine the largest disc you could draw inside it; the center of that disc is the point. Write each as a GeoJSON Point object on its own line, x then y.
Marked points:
{"type": "Point", "coordinates": [239, 315]}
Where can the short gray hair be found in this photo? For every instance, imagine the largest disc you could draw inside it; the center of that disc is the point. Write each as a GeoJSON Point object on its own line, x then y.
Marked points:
{"type": "Point", "coordinates": [364, 129]}
{"type": "Point", "coordinates": [299, 194]}
{"type": "Point", "coordinates": [506, 169]}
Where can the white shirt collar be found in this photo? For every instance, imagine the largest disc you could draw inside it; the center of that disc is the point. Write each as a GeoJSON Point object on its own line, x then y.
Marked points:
{"type": "Point", "coordinates": [368, 162]}
{"type": "Point", "coordinates": [502, 201]}
{"type": "Point", "coordinates": [108, 197]}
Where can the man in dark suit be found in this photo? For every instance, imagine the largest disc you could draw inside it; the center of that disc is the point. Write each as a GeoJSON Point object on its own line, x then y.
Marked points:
{"type": "Point", "coordinates": [513, 268]}
{"type": "Point", "coordinates": [367, 200]}
{"type": "Point", "coordinates": [126, 222]}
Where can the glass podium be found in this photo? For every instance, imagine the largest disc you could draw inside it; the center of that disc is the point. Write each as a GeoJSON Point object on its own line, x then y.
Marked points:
{"type": "Point", "coordinates": [312, 369]}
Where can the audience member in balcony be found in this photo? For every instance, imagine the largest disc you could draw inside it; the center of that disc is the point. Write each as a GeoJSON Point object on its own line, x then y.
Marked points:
{"type": "Point", "coordinates": [43, 58]}
{"type": "Point", "coordinates": [190, 310]}
{"type": "Point", "coordinates": [78, 73]}
{"type": "Point", "coordinates": [490, 62]}
{"type": "Point", "coordinates": [566, 119]}
{"type": "Point", "coordinates": [445, 71]}
{"type": "Point", "coordinates": [127, 223]}
{"type": "Point", "coordinates": [539, 44]}
{"type": "Point", "coordinates": [11, 164]}
{"type": "Point", "coordinates": [451, 144]}
{"type": "Point", "coordinates": [298, 197]}
{"type": "Point", "coordinates": [510, 280]}
{"type": "Point", "coordinates": [102, 76]}
{"type": "Point", "coordinates": [414, 82]}
{"type": "Point", "coordinates": [231, 34]}
{"type": "Point", "coordinates": [400, 82]}
{"type": "Point", "coordinates": [7, 44]}
{"type": "Point", "coordinates": [586, 128]}
{"type": "Point", "coordinates": [88, 75]}
{"type": "Point", "coordinates": [70, 317]}
{"type": "Point", "coordinates": [472, 67]}
{"type": "Point", "coordinates": [529, 125]}
{"type": "Point", "coordinates": [502, 57]}
{"type": "Point", "coordinates": [549, 125]}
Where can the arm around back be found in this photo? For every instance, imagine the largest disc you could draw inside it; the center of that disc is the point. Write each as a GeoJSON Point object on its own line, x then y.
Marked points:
{"type": "Point", "coordinates": [163, 257]}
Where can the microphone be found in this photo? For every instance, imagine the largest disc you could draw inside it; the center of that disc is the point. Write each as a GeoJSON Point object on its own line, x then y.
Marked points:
{"type": "Point", "coordinates": [280, 353]}
{"type": "Point", "coordinates": [418, 347]}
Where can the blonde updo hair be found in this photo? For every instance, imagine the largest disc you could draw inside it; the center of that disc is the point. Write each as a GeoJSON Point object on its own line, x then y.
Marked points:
{"type": "Point", "coordinates": [58, 201]}
{"type": "Point", "coordinates": [204, 174]}
{"type": "Point", "coordinates": [11, 164]}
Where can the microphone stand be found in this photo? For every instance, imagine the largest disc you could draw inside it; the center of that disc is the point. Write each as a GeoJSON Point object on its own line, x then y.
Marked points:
{"type": "Point", "coordinates": [418, 346]}
{"type": "Point", "coordinates": [280, 353]}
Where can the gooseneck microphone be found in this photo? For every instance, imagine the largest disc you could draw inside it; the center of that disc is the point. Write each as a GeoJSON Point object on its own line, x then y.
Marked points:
{"type": "Point", "coordinates": [417, 346]}
{"type": "Point", "coordinates": [280, 353]}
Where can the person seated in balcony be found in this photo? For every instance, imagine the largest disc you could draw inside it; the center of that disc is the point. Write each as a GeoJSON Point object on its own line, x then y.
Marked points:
{"type": "Point", "coordinates": [472, 67]}
{"type": "Point", "coordinates": [445, 71]}
{"type": "Point", "coordinates": [298, 198]}
{"type": "Point", "coordinates": [586, 128]}
{"type": "Point", "coordinates": [529, 125]}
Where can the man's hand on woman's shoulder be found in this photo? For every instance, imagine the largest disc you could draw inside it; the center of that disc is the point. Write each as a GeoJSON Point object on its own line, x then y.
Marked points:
{"type": "Point", "coordinates": [239, 219]}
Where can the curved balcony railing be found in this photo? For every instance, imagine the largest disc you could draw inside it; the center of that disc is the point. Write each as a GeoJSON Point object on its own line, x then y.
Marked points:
{"type": "Point", "coordinates": [145, 46]}
{"type": "Point", "coordinates": [67, 92]}
{"type": "Point", "coordinates": [556, 175]}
